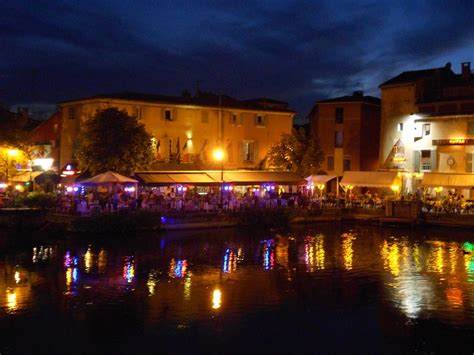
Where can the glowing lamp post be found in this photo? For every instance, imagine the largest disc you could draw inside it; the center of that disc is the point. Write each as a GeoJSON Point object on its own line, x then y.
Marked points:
{"type": "Point", "coordinates": [10, 153]}
{"type": "Point", "coordinates": [438, 191]}
{"type": "Point", "coordinates": [395, 189]}
{"type": "Point", "coordinates": [219, 157]}
{"type": "Point", "coordinates": [321, 188]}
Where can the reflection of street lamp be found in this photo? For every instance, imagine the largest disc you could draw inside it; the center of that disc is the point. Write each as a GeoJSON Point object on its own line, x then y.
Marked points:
{"type": "Point", "coordinates": [219, 156]}
{"type": "Point", "coordinates": [10, 153]}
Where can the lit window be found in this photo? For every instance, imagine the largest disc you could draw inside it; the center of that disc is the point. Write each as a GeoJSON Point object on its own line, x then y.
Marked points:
{"type": "Point", "coordinates": [426, 160]}
{"type": "Point", "coordinates": [339, 115]}
{"type": "Point", "coordinates": [249, 152]}
{"type": "Point", "coordinates": [400, 127]}
{"type": "Point", "coordinates": [426, 129]}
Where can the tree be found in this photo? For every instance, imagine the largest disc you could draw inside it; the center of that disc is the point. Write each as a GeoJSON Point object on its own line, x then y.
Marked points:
{"type": "Point", "coordinates": [297, 152]}
{"type": "Point", "coordinates": [113, 140]}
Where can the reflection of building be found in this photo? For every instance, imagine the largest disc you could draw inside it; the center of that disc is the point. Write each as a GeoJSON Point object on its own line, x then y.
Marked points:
{"type": "Point", "coordinates": [348, 129]}
{"type": "Point", "coordinates": [186, 129]}
{"type": "Point", "coordinates": [428, 121]}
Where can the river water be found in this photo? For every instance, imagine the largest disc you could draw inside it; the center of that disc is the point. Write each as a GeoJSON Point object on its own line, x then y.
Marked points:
{"type": "Point", "coordinates": [325, 288]}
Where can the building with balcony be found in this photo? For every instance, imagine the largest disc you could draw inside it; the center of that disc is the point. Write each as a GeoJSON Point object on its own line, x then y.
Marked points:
{"type": "Point", "coordinates": [348, 129]}
{"type": "Point", "coordinates": [186, 129]}
{"type": "Point", "coordinates": [428, 123]}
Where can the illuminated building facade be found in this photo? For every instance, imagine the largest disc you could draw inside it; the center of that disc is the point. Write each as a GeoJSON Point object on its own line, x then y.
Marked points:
{"type": "Point", "coordinates": [428, 122]}
{"type": "Point", "coordinates": [187, 129]}
{"type": "Point", "coordinates": [348, 129]}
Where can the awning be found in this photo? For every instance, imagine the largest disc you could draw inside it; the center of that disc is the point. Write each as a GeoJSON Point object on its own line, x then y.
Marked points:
{"type": "Point", "coordinates": [259, 177]}
{"type": "Point", "coordinates": [166, 178]}
{"type": "Point", "coordinates": [448, 180]}
{"type": "Point", "coordinates": [371, 178]}
{"type": "Point", "coordinates": [24, 177]}
{"type": "Point", "coordinates": [319, 179]}
{"type": "Point", "coordinates": [195, 179]}
{"type": "Point", "coordinates": [155, 179]}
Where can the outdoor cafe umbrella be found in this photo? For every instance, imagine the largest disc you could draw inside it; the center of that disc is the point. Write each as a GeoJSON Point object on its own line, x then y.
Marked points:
{"type": "Point", "coordinates": [110, 178]}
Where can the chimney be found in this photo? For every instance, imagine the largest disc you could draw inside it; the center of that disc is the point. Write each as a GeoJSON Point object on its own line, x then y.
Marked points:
{"type": "Point", "coordinates": [466, 70]}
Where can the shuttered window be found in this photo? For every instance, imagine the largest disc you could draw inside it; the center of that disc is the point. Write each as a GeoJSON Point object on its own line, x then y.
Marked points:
{"type": "Point", "coordinates": [469, 162]}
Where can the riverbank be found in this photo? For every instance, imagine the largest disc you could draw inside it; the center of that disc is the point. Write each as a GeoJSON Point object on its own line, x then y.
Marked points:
{"type": "Point", "coordinates": [24, 219]}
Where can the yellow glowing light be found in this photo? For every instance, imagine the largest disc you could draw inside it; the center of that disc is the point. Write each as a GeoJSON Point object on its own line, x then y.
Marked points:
{"type": "Point", "coordinates": [13, 152]}
{"type": "Point", "coordinates": [395, 188]}
{"type": "Point", "coordinates": [3, 185]}
{"type": "Point", "coordinates": [347, 249]}
{"type": "Point", "coordinates": [19, 187]}
{"type": "Point", "coordinates": [216, 299]}
{"type": "Point", "coordinates": [438, 189]}
{"type": "Point", "coordinates": [45, 163]}
{"type": "Point", "coordinates": [17, 277]}
{"type": "Point", "coordinates": [11, 300]}
{"type": "Point", "coordinates": [457, 141]}
{"type": "Point", "coordinates": [218, 154]}
{"type": "Point", "coordinates": [88, 259]}
{"type": "Point", "coordinates": [321, 186]}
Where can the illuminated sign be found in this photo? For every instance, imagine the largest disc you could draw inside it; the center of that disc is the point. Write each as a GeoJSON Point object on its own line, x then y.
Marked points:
{"type": "Point", "coordinates": [453, 141]}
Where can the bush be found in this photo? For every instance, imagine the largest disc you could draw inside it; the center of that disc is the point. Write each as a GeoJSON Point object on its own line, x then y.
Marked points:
{"type": "Point", "coordinates": [41, 200]}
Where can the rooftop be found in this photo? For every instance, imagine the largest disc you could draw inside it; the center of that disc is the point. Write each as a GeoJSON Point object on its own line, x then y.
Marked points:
{"type": "Point", "coordinates": [201, 99]}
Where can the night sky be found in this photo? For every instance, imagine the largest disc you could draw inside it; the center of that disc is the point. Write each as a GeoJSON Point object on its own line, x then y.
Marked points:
{"type": "Point", "coordinates": [296, 51]}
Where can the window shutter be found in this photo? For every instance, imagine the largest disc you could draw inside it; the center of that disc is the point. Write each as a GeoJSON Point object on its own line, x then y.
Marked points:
{"type": "Point", "coordinates": [241, 152]}
{"type": "Point", "coordinates": [163, 114]}
{"type": "Point", "coordinates": [265, 120]}
{"type": "Point", "coordinates": [204, 116]}
{"type": "Point", "coordinates": [255, 152]}
{"type": "Point", "coordinates": [255, 120]}
{"type": "Point", "coordinates": [174, 114]}
{"type": "Point", "coordinates": [469, 162]}
{"type": "Point", "coordinates": [241, 119]}
{"type": "Point", "coordinates": [470, 127]}
{"type": "Point", "coordinates": [416, 161]}
{"type": "Point", "coordinates": [433, 160]}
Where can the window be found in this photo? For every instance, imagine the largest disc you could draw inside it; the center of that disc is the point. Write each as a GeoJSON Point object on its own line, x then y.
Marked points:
{"type": "Point", "coordinates": [347, 164]}
{"type": "Point", "coordinates": [426, 160]}
{"type": "Point", "coordinates": [260, 121]}
{"type": "Point", "coordinates": [339, 139]}
{"type": "Point", "coordinates": [168, 115]}
{"type": "Point", "coordinates": [55, 128]}
{"type": "Point", "coordinates": [248, 152]}
{"type": "Point", "coordinates": [469, 162]}
{"type": "Point", "coordinates": [234, 119]}
{"type": "Point", "coordinates": [470, 127]}
{"type": "Point", "coordinates": [330, 162]}
{"type": "Point", "coordinates": [400, 127]}
{"type": "Point", "coordinates": [204, 116]}
{"type": "Point", "coordinates": [339, 115]}
{"type": "Point", "coordinates": [137, 112]}
{"type": "Point", "coordinates": [426, 129]}
{"type": "Point", "coordinates": [72, 112]}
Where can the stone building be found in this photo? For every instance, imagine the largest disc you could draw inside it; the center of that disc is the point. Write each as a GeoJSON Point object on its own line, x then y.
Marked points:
{"type": "Point", "coordinates": [187, 129]}
{"type": "Point", "coordinates": [428, 124]}
{"type": "Point", "coordinates": [348, 129]}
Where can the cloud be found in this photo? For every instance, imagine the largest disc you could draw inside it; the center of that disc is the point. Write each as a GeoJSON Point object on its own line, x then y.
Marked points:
{"type": "Point", "coordinates": [298, 51]}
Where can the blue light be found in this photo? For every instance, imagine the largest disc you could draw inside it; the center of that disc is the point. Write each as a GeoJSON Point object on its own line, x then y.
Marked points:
{"type": "Point", "coordinates": [74, 275]}
{"type": "Point", "coordinates": [74, 261]}
{"type": "Point", "coordinates": [163, 219]}
{"type": "Point", "coordinates": [225, 265]}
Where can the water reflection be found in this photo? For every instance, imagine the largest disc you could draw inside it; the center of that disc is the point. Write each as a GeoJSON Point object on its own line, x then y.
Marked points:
{"type": "Point", "coordinates": [183, 279]}
{"type": "Point", "coordinates": [268, 254]}
{"type": "Point", "coordinates": [128, 269]}
{"type": "Point", "coordinates": [230, 261]}
{"type": "Point", "coordinates": [216, 299]}
{"type": "Point", "coordinates": [314, 253]}
{"type": "Point", "coordinates": [347, 249]}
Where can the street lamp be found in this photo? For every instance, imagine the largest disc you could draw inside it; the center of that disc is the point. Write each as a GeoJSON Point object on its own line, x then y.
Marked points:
{"type": "Point", "coordinates": [219, 157]}
{"type": "Point", "coordinates": [10, 153]}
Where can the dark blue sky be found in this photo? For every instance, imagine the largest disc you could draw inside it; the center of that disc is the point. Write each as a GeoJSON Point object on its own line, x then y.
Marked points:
{"type": "Point", "coordinates": [297, 51]}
